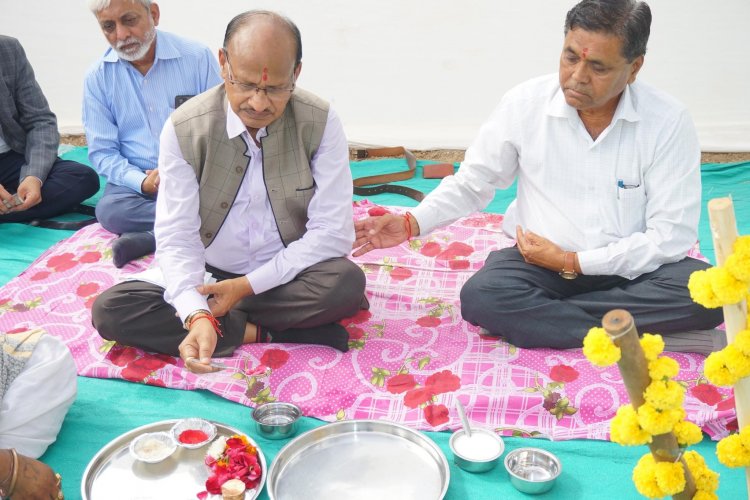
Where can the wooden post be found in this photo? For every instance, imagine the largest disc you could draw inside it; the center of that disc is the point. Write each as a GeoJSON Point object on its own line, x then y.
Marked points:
{"type": "Point", "coordinates": [724, 232]}
{"type": "Point", "coordinates": [633, 367]}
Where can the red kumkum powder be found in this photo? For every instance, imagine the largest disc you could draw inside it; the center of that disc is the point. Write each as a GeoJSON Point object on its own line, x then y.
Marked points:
{"type": "Point", "coordinates": [192, 436]}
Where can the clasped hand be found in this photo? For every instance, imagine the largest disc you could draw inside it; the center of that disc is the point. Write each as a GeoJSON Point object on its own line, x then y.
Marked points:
{"type": "Point", "coordinates": [383, 231]}
{"type": "Point", "coordinates": [539, 251]}
{"type": "Point", "coordinates": [29, 191]}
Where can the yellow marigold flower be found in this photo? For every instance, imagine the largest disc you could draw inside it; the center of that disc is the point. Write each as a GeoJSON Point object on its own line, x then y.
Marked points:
{"type": "Point", "coordinates": [657, 422]}
{"type": "Point", "coordinates": [624, 428]}
{"type": "Point", "coordinates": [670, 476]}
{"type": "Point", "coordinates": [736, 361]}
{"type": "Point", "coordinates": [599, 348]}
{"type": "Point", "coordinates": [663, 368]}
{"type": "Point", "coordinates": [732, 453]}
{"type": "Point", "coordinates": [644, 477]}
{"type": "Point", "coordinates": [742, 341]}
{"type": "Point", "coordinates": [716, 371]}
{"type": "Point", "coordinates": [705, 495]}
{"type": "Point", "coordinates": [727, 288]}
{"type": "Point", "coordinates": [652, 345]}
{"type": "Point", "coordinates": [701, 290]}
{"type": "Point", "coordinates": [738, 266]}
{"type": "Point", "coordinates": [705, 479]}
{"type": "Point", "coordinates": [687, 433]}
{"type": "Point", "coordinates": [664, 395]}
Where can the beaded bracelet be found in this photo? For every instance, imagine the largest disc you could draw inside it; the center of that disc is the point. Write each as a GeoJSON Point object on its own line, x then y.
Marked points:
{"type": "Point", "coordinates": [407, 223]}
{"type": "Point", "coordinates": [203, 313]}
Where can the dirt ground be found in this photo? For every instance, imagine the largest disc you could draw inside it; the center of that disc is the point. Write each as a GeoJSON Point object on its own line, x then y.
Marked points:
{"type": "Point", "coordinates": [454, 155]}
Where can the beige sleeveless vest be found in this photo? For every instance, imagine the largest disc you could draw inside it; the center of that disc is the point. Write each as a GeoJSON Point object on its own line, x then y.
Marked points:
{"type": "Point", "coordinates": [220, 162]}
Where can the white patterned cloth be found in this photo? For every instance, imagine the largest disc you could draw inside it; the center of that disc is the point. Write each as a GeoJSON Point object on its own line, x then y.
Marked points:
{"type": "Point", "coordinates": [627, 202]}
{"type": "Point", "coordinates": [42, 389]}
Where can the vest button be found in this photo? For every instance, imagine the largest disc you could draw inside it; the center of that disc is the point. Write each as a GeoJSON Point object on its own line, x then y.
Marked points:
{"type": "Point", "coordinates": [224, 204]}
{"type": "Point", "coordinates": [238, 169]}
{"type": "Point", "coordinates": [209, 235]}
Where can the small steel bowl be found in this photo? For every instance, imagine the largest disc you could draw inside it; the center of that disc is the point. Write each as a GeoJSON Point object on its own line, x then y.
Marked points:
{"type": "Point", "coordinates": [276, 420]}
{"type": "Point", "coordinates": [152, 447]}
{"type": "Point", "coordinates": [478, 453]}
{"type": "Point", "coordinates": [532, 470]}
{"type": "Point", "coordinates": [197, 424]}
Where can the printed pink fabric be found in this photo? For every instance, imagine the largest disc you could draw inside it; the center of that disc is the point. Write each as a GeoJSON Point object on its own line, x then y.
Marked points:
{"type": "Point", "coordinates": [411, 354]}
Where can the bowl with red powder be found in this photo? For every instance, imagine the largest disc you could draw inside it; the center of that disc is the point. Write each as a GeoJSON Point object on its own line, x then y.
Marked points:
{"type": "Point", "coordinates": [193, 432]}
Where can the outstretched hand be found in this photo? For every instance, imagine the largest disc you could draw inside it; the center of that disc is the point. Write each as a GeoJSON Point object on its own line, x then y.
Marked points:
{"type": "Point", "coordinates": [384, 231]}
{"type": "Point", "coordinates": [539, 251]}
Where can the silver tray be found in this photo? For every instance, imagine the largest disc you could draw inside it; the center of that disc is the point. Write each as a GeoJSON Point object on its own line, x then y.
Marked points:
{"type": "Point", "coordinates": [113, 474]}
{"type": "Point", "coordinates": [362, 459]}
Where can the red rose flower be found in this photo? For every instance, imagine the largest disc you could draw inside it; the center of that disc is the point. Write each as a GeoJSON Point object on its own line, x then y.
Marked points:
{"type": "Point", "coordinates": [62, 262]}
{"type": "Point", "coordinates": [121, 356]}
{"type": "Point", "coordinates": [458, 264]}
{"type": "Point", "coordinates": [563, 373]}
{"type": "Point", "coordinates": [155, 381]}
{"type": "Point", "coordinates": [727, 404]}
{"type": "Point", "coordinates": [430, 249]}
{"type": "Point", "coordinates": [149, 362]}
{"type": "Point", "coordinates": [444, 381]}
{"type": "Point", "coordinates": [455, 249]}
{"type": "Point", "coordinates": [400, 273]}
{"type": "Point", "coordinates": [377, 211]}
{"type": "Point", "coordinates": [706, 393]}
{"type": "Point", "coordinates": [361, 316]}
{"type": "Point", "coordinates": [428, 321]}
{"type": "Point", "coordinates": [41, 275]}
{"type": "Point", "coordinates": [87, 289]}
{"type": "Point", "coordinates": [274, 358]}
{"type": "Point", "coordinates": [90, 257]}
{"type": "Point", "coordinates": [436, 414]}
{"type": "Point", "coordinates": [416, 397]}
{"type": "Point", "coordinates": [355, 332]}
{"type": "Point", "coordinates": [135, 373]}
{"type": "Point", "coordinates": [400, 383]}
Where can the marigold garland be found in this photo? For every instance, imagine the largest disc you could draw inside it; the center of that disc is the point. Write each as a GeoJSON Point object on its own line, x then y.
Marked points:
{"type": "Point", "coordinates": [599, 348]}
{"type": "Point", "coordinates": [625, 430]}
{"type": "Point", "coordinates": [733, 450]}
{"type": "Point", "coordinates": [687, 433]}
{"type": "Point", "coordinates": [664, 394]}
{"type": "Point", "coordinates": [652, 346]}
{"type": "Point", "coordinates": [663, 368]}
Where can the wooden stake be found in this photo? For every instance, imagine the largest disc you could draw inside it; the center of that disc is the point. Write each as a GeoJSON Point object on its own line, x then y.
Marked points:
{"type": "Point", "coordinates": [724, 232]}
{"type": "Point", "coordinates": [633, 367]}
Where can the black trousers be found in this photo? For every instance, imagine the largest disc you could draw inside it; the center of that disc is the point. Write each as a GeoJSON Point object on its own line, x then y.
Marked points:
{"type": "Point", "coordinates": [135, 313]}
{"type": "Point", "coordinates": [534, 307]}
{"type": "Point", "coordinates": [68, 184]}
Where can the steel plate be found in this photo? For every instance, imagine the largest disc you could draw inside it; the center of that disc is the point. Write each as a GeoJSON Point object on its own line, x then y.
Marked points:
{"type": "Point", "coordinates": [113, 474]}
{"type": "Point", "coordinates": [362, 459]}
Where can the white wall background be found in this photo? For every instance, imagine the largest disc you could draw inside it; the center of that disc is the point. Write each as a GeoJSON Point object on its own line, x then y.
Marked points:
{"type": "Point", "coordinates": [423, 74]}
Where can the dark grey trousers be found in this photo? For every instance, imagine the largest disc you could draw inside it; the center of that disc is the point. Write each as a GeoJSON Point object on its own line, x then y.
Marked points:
{"type": "Point", "coordinates": [534, 307]}
{"type": "Point", "coordinates": [122, 210]}
{"type": "Point", "coordinates": [135, 313]}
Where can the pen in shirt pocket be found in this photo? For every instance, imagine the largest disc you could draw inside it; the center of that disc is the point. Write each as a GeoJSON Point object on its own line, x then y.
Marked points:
{"type": "Point", "coordinates": [621, 184]}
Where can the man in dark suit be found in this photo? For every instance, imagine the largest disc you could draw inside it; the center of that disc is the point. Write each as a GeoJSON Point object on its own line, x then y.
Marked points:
{"type": "Point", "coordinates": [34, 182]}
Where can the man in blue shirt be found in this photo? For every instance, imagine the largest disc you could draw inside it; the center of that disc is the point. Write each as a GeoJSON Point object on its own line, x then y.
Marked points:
{"type": "Point", "coordinates": [128, 95]}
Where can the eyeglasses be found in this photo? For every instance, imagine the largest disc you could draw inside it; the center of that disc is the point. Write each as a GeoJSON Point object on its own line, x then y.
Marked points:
{"type": "Point", "coordinates": [251, 88]}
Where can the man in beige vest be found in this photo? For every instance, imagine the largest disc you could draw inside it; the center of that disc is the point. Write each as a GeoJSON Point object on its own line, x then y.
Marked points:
{"type": "Point", "coordinates": [255, 193]}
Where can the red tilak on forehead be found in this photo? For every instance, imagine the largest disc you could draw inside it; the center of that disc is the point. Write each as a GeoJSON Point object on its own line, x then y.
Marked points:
{"type": "Point", "coordinates": [585, 52]}
{"type": "Point", "coordinates": [265, 74]}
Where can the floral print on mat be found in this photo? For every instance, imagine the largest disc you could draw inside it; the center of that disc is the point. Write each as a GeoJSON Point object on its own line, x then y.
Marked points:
{"type": "Point", "coordinates": [411, 355]}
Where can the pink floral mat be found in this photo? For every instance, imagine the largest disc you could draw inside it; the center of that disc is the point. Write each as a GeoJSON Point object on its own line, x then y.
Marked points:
{"type": "Point", "coordinates": [411, 355]}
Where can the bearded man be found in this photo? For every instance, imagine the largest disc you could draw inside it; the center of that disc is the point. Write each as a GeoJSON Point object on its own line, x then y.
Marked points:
{"type": "Point", "coordinates": [128, 95]}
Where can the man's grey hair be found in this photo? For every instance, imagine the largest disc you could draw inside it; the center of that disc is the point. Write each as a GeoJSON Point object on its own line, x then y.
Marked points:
{"type": "Point", "coordinates": [246, 18]}
{"type": "Point", "coordinates": [97, 6]}
{"type": "Point", "coordinates": [629, 20]}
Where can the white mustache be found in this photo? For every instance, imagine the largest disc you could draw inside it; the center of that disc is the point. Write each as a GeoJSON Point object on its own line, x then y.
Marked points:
{"type": "Point", "coordinates": [127, 41]}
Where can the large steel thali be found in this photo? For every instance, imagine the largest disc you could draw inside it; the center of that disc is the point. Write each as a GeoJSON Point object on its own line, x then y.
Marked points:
{"type": "Point", "coordinates": [113, 474]}
{"type": "Point", "coordinates": [362, 459]}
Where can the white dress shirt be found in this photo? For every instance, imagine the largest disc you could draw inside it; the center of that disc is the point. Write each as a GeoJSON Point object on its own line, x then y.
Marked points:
{"type": "Point", "coordinates": [249, 242]}
{"type": "Point", "coordinates": [627, 202]}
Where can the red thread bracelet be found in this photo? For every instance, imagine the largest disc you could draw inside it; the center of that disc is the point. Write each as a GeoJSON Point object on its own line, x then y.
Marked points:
{"type": "Point", "coordinates": [407, 222]}
{"type": "Point", "coordinates": [209, 317]}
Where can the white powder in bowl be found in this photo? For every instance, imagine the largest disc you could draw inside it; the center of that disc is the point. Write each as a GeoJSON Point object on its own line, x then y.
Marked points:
{"type": "Point", "coordinates": [152, 448]}
{"type": "Point", "coordinates": [479, 447]}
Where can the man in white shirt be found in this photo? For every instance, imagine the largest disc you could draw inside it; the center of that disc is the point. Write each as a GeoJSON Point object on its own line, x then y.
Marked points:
{"type": "Point", "coordinates": [608, 199]}
{"type": "Point", "coordinates": [256, 188]}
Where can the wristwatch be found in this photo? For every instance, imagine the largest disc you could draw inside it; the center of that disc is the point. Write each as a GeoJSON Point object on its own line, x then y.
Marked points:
{"type": "Point", "coordinates": [569, 272]}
